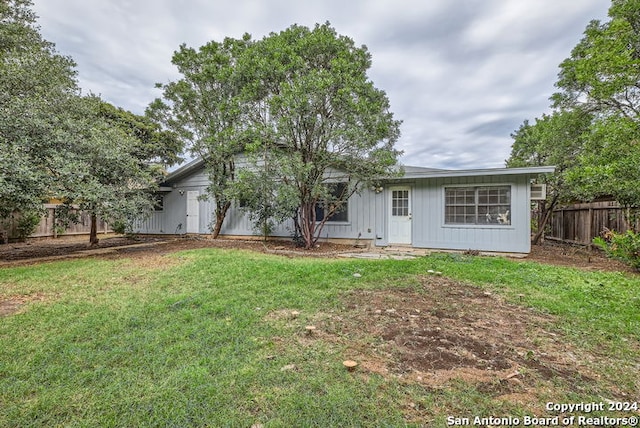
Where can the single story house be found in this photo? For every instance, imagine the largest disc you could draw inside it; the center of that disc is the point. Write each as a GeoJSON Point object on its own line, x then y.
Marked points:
{"type": "Point", "coordinates": [477, 209]}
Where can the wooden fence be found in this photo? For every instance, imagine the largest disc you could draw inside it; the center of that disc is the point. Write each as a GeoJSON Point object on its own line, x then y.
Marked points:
{"type": "Point", "coordinates": [47, 227]}
{"type": "Point", "coordinates": [580, 223]}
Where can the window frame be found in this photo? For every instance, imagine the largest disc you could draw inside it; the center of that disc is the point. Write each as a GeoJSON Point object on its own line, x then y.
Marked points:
{"type": "Point", "coordinates": [478, 213]}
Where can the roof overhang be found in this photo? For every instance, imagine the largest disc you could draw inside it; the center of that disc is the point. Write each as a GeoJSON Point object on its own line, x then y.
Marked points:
{"type": "Point", "coordinates": [411, 172]}
{"type": "Point", "coordinates": [185, 170]}
{"type": "Point", "coordinates": [534, 170]}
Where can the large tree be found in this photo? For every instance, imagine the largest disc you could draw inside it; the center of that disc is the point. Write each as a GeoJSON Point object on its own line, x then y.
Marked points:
{"type": "Point", "coordinates": [323, 127]}
{"type": "Point", "coordinates": [603, 72]}
{"type": "Point", "coordinates": [558, 139]}
{"type": "Point", "coordinates": [203, 109]}
{"type": "Point", "coordinates": [592, 134]}
{"type": "Point", "coordinates": [37, 86]}
{"type": "Point", "coordinates": [55, 143]}
{"type": "Point", "coordinates": [603, 76]}
{"type": "Point", "coordinates": [113, 162]}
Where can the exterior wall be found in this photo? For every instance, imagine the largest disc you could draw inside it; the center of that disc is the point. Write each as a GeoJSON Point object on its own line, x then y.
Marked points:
{"type": "Point", "coordinates": [430, 230]}
{"type": "Point", "coordinates": [172, 219]}
{"type": "Point", "coordinates": [368, 216]}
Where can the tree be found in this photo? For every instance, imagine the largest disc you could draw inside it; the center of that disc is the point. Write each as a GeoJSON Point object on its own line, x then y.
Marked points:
{"type": "Point", "coordinates": [318, 118]}
{"type": "Point", "coordinates": [36, 86]}
{"type": "Point", "coordinates": [202, 109]}
{"type": "Point", "coordinates": [603, 76]}
{"type": "Point", "coordinates": [154, 144]}
{"type": "Point", "coordinates": [603, 71]}
{"type": "Point", "coordinates": [558, 139]}
{"type": "Point", "coordinates": [55, 143]}
{"type": "Point", "coordinates": [110, 170]}
{"type": "Point", "coordinates": [610, 166]}
{"type": "Point", "coordinates": [592, 134]}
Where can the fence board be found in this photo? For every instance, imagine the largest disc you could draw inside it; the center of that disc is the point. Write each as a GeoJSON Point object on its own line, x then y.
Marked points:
{"type": "Point", "coordinates": [580, 223]}
{"type": "Point", "coordinates": [46, 228]}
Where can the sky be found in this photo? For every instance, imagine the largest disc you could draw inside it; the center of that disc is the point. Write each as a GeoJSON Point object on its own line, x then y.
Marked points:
{"type": "Point", "coordinates": [461, 75]}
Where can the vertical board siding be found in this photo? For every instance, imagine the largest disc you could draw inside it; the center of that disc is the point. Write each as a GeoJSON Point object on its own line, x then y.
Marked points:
{"type": "Point", "coordinates": [369, 215]}
{"type": "Point", "coordinates": [430, 230]}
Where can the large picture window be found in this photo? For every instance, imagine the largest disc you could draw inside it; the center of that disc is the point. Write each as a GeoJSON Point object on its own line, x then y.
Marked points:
{"type": "Point", "coordinates": [342, 214]}
{"type": "Point", "coordinates": [478, 205]}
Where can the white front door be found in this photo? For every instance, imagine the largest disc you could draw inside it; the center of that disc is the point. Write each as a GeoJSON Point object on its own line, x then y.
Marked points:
{"type": "Point", "coordinates": [193, 212]}
{"type": "Point", "coordinates": [400, 215]}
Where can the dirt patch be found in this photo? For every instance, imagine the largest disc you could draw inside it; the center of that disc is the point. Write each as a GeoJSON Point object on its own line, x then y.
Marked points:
{"type": "Point", "coordinates": [443, 332]}
{"type": "Point", "coordinates": [10, 305]}
{"type": "Point", "coordinates": [116, 247]}
{"type": "Point", "coordinates": [581, 257]}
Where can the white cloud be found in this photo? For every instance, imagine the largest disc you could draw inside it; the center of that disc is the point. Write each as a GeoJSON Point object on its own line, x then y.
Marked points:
{"type": "Point", "coordinates": [461, 74]}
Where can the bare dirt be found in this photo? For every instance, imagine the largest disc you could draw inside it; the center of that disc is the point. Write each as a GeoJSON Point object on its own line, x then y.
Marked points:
{"type": "Point", "coordinates": [37, 251]}
{"type": "Point", "coordinates": [444, 330]}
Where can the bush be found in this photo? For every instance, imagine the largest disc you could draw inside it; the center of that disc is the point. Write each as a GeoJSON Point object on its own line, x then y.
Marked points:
{"type": "Point", "coordinates": [621, 246]}
{"type": "Point", "coordinates": [123, 227]}
{"type": "Point", "coordinates": [27, 224]}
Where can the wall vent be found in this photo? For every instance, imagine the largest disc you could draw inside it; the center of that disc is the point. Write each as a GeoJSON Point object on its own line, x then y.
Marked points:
{"type": "Point", "coordinates": [538, 192]}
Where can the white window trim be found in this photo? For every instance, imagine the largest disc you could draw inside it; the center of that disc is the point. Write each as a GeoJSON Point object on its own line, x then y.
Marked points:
{"type": "Point", "coordinates": [444, 224]}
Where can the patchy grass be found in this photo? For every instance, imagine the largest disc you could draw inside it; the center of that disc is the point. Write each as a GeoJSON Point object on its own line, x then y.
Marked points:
{"type": "Point", "coordinates": [209, 338]}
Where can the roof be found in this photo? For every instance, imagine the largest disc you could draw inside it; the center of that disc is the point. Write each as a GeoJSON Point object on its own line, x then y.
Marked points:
{"type": "Point", "coordinates": [185, 169]}
{"type": "Point", "coordinates": [410, 172]}
{"type": "Point", "coordinates": [443, 173]}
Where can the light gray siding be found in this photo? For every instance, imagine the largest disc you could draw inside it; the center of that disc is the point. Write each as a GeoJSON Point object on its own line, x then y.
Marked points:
{"type": "Point", "coordinates": [368, 217]}
{"type": "Point", "coordinates": [430, 230]}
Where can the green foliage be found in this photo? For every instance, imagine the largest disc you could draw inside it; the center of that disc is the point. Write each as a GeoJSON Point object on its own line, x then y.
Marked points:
{"type": "Point", "coordinates": [318, 118]}
{"type": "Point", "coordinates": [203, 110]}
{"type": "Point", "coordinates": [604, 68]}
{"type": "Point", "coordinates": [36, 85]}
{"type": "Point", "coordinates": [121, 227]}
{"type": "Point", "coordinates": [55, 143]}
{"type": "Point", "coordinates": [557, 139]}
{"type": "Point", "coordinates": [610, 164]}
{"type": "Point", "coordinates": [265, 202]}
{"type": "Point", "coordinates": [102, 174]}
{"type": "Point", "coordinates": [621, 246]}
{"type": "Point", "coordinates": [153, 144]}
{"type": "Point", "coordinates": [599, 82]}
{"type": "Point", "coordinates": [27, 224]}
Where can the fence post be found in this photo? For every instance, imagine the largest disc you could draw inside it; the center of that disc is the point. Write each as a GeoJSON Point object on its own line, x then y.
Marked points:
{"type": "Point", "coordinates": [590, 223]}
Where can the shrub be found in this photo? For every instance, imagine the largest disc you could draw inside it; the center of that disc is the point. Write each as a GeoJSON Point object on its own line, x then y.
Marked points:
{"type": "Point", "coordinates": [27, 224]}
{"type": "Point", "coordinates": [123, 227]}
{"type": "Point", "coordinates": [621, 246]}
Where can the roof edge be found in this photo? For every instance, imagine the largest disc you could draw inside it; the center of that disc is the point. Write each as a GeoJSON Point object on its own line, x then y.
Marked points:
{"type": "Point", "coordinates": [415, 172]}
{"type": "Point", "coordinates": [533, 170]}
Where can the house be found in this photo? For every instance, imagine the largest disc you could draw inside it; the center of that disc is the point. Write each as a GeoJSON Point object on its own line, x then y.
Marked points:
{"type": "Point", "coordinates": [478, 209]}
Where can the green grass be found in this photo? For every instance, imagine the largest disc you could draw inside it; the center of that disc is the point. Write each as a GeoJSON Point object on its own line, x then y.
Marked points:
{"type": "Point", "coordinates": [110, 343]}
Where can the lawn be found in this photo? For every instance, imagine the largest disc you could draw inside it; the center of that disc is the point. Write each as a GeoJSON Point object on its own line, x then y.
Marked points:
{"type": "Point", "coordinates": [217, 337]}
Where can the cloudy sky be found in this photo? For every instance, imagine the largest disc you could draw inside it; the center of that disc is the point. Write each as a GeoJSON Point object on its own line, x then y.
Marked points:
{"type": "Point", "coordinates": [462, 75]}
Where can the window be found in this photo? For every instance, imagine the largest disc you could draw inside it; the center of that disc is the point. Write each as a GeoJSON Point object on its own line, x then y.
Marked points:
{"type": "Point", "coordinates": [478, 205]}
{"type": "Point", "coordinates": [342, 214]}
{"type": "Point", "coordinates": [400, 203]}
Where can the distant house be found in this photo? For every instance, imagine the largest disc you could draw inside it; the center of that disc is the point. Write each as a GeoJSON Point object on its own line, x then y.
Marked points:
{"type": "Point", "coordinates": [477, 209]}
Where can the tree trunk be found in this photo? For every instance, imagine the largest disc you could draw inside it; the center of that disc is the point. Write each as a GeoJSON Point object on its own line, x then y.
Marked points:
{"type": "Point", "coordinates": [545, 220]}
{"type": "Point", "coordinates": [93, 234]}
{"type": "Point", "coordinates": [221, 213]}
{"type": "Point", "coordinates": [307, 224]}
